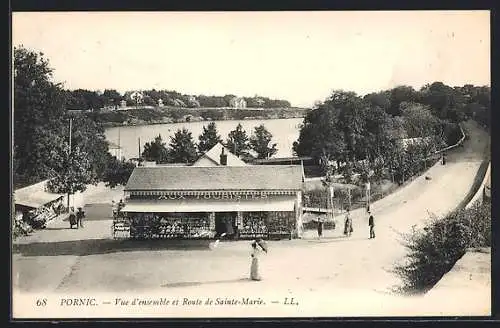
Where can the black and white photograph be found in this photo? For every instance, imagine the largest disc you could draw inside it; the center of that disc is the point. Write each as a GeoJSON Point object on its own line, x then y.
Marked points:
{"type": "Point", "coordinates": [250, 164]}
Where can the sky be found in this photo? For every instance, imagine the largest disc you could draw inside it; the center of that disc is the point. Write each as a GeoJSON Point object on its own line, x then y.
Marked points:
{"type": "Point", "coordinates": [297, 56]}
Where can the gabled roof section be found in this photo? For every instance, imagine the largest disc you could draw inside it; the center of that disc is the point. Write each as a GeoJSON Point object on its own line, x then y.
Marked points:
{"type": "Point", "coordinates": [199, 178]}
{"type": "Point", "coordinates": [214, 156]}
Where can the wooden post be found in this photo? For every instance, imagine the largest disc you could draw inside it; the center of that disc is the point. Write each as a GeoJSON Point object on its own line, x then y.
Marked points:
{"type": "Point", "coordinates": [139, 140]}
{"type": "Point", "coordinates": [69, 155]}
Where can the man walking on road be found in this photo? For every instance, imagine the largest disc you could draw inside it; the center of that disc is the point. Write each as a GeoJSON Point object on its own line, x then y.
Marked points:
{"type": "Point", "coordinates": [371, 223]}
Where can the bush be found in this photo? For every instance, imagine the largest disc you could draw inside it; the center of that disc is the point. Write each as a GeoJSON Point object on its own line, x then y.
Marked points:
{"type": "Point", "coordinates": [435, 250]}
{"type": "Point", "coordinates": [20, 227]}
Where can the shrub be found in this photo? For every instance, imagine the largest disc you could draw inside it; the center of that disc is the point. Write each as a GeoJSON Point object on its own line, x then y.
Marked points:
{"type": "Point", "coordinates": [20, 227]}
{"type": "Point", "coordinates": [434, 250]}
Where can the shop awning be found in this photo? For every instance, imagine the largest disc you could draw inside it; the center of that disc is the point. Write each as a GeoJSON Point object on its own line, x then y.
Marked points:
{"type": "Point", "coordinates": [35, 199]}
{"type": "Point", "coordinates": [284, 204]}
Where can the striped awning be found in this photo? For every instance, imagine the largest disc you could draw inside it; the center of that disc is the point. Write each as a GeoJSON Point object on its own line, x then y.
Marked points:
{"type": "Point", "coordinates": [283, 204]}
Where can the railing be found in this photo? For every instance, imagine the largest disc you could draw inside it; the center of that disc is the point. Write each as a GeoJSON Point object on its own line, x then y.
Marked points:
{"type": "Point", "coordinates": [459, 142]}
{"type": "Point", "coordinates": [479, 195]}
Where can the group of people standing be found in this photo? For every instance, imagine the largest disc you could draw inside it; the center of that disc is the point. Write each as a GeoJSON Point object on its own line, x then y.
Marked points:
{"type": "Point", "coordinates": [76, 218]}
{"type": "Point", "coordinates": [348, 227]}
{"type": "Point", "coordinates": [116, 208]}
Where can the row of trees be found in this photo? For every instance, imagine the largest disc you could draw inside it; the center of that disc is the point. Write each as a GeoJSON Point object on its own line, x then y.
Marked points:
{"type": "Point", "coordinates": [93, 100]}
{"type": "Point", "coordinates": [42, 132]}
{"type": "Point", "coordinates": [183, 149]}
{"type": "Point", "coordinates": [354, 131]}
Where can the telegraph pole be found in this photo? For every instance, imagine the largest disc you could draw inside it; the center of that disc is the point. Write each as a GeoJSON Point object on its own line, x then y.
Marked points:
{"type": "Point", "coordinates": [69, 156]}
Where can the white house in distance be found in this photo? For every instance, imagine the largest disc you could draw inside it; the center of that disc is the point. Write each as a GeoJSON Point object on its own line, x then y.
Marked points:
{"type": "Point", "coordinates": [217, 156]}
{"type": "Point", "coordinates": [136, 96]}
{"type": "Point", "coordinates": [238, 103]}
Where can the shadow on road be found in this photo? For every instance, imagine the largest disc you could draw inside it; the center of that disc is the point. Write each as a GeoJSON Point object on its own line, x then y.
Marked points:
{"type": "Point", "coordinates": [336, 239]}
{"type": "Point", "coordinates": [199, 283]}
{"type": "Point", "coordinates": [105, 246]}
{"type": "Point", "coordinates": [59, 228]}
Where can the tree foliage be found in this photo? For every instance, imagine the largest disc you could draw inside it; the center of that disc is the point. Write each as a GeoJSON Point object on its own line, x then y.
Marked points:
{"type": "Point", "coordinates": [117, 172]}
{"type": "Point", "coordinates": [74, 175]}
{"type": "Point", "coordinates": [260, 142]}
{"type": "Point", "coordinates": [155, 151]}
{"type": "Point", "coordinates": [182, 147]}
{"type": "Point", "coordinates": [41, 128]}
{"type": "Point", "coordinates": [237, 141]}
{"type": "Point", "coordinates": [208, 138]}
{"type": "Point", "coordinates": [38, 112]}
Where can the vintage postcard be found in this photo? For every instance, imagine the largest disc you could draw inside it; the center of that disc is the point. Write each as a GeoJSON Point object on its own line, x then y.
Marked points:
{"type": "Point", "coordinates": [251, 164]}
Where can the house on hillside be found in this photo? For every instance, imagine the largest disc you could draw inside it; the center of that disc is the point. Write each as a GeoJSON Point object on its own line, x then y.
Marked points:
{"type": "Point", "coordinates": [193, 102]}
{"type": "Point", "coordinates": [217, 156]}
{"type": "Point", "coordinates": [136, 96]}
{"type": "Point", "coordinates": [238, 103]}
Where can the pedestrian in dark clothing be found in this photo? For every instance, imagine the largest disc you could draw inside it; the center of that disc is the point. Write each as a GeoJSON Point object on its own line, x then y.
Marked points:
{"type": "Point", "coordinates": [348, 229]}
{"type": "Point", "coordinates": [121, 205]}
{"type": "Point", "coordinates": [320, 228]}
{"type": "Point", "coordinates": [371, 224]}
{"type": "Point", "coordinates": [79, 217]}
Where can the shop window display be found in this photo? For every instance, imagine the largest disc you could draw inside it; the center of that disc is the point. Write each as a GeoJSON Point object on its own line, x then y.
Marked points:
{"type": "Point", "coordinates": [170, 226]}
{"type": "Point", "coordinates": [253, 225]}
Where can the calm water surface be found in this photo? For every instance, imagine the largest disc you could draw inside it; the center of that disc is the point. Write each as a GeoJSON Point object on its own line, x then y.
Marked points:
{"type": "Point", "coordinates": [284, 131]}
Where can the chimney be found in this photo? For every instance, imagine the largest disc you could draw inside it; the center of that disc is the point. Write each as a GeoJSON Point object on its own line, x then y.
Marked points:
{"type": "Point", "coordinates": [223, 157]}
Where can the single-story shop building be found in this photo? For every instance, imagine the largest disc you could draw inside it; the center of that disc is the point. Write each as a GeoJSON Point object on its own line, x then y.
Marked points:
{"type": "Point", "coordinates": [207, 201]}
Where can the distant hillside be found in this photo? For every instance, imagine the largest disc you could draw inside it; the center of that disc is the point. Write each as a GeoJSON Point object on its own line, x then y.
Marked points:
{"type": "Point", "coordinates": [167, 114]}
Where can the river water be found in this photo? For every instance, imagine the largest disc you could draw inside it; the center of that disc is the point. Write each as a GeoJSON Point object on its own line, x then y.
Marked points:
{"type": "Point", "coordinates": [284, 131]}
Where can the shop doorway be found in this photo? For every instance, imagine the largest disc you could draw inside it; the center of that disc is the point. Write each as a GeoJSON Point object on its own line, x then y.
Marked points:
{"type": "Point", "coordinates": [225, 222]}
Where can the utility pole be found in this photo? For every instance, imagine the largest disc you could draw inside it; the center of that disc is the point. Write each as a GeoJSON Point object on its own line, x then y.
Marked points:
{"type": "Point", "coordinates": [349, 197]}
{"type": "Point", "coordinates": [139, 148]}
{"type": "Point", "coordinates": [69, 156]}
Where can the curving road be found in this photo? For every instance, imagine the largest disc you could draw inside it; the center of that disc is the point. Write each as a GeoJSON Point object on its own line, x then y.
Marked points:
{"type": "Point", "coordinates": [335, 276]}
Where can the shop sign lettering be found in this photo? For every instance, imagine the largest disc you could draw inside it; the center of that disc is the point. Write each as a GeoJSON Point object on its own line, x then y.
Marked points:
{"type": "Point", "coordinates": [217, 196]}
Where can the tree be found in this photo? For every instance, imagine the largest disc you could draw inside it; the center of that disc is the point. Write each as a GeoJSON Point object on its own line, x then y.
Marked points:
{"type": "Point", "coordinates": [182, 147]}
{"type": "Point", "coordinates": [74, 175]}
{"type": "Point", "coordinates": [445, 102]}
{"type": "Point", "coordinates": [117, 172]}
{"type": "Point", "coordinates": [260, 142]}
{"type": "Point", "coordinates": [400, 94]}
{"type": "Point", "coordinates": [38, 114]}
{"type": "Point", "coordinates": [90, 137]}
{"type": "Point", "coordinates": [112, 95]}
{"type": "Point", "coordinates": [155, 150]}
{"type": "Point", "coordinates": [208, 138]}
{"type": "Point", "coordinates": [379, 99]}
{"type": "Point", "coordinates": [237, 141]}
{"type": "Point", "coordinates": [418, 120]}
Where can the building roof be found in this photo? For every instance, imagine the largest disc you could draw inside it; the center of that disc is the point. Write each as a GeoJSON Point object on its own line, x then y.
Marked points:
{"type": "Point", "coordinates": [34, 195]}
{"type": "Point", "coordinates": [198, 178]}
{"type": "Point", "coordinates": [283, 159]}
{"type": "Point", "coordinates": [214, 156]}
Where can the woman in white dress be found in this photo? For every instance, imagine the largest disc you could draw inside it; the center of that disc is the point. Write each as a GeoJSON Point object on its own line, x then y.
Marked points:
{"type": "Point", "coordinates": [257, 248]}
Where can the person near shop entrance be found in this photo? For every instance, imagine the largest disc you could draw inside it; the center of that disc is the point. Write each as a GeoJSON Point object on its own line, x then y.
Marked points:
{"type": "Point", "coordinates": [121, 205]}
{"type": "Point", "coordinates": [114, 209]}
{"type": "Point", "coordinates": [348, 224]}
{"type": "Point", "coordinates": [371, 224]}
